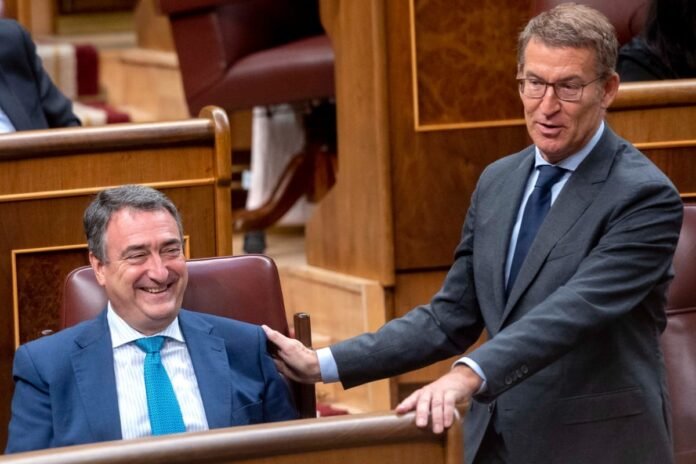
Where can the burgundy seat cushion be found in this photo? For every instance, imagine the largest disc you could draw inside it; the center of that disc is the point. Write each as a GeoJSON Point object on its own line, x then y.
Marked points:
{"type": "Point", "coordinates": [299, 70]}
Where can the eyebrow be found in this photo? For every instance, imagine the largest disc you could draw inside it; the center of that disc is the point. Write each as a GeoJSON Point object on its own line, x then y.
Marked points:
{"type": "Point", "coordinates": [140, 247]}
{"type": "Point", "coordinates": [530, 74]}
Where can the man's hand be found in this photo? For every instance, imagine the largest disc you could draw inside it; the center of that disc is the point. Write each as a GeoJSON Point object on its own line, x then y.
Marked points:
{"type": "Point", "coordinates": [440, 398]}
{"type": "Point", "coordinates": [293, 359]}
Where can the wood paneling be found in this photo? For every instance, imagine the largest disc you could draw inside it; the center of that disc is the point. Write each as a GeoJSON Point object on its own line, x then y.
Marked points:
{"type": "Point", "coordinates": [47, 178]}
{"type": "Point", "coordinates": [464, 61]}
{"type": "Point", "coordinates": [401, 194]}
{"type": "Point", "coordinates": [383, 438]}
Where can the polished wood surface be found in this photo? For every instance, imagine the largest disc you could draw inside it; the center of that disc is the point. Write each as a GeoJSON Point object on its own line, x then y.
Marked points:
{"type": "Point", "coordinates": [381, 438]}
{"type": "Point", "coordinates": [47, 178]}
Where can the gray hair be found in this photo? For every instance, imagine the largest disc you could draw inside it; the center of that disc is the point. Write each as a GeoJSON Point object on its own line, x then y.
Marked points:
{"type": "Point", "coordinates": [109, 201]}
{"type": "Point", "coordinates": [576, 26]}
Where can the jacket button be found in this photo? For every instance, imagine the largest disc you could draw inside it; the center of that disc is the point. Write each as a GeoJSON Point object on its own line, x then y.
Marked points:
{"type": "Point", "coordinates": [524, 368]}
{"type": "Point", "coordinates": [508, 380]}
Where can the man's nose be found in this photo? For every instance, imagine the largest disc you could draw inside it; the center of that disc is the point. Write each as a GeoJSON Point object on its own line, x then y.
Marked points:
{"type": "Point", "coordinates": [550, 103]}
{"type": "Point", "coordinates": [157, 270]}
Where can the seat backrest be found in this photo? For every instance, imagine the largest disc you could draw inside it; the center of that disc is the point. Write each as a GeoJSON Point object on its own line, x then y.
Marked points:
{"type": "Point", "coordinates": [679, 341]}
{"type": "Point", "coordinates": [246, 288]}
{"type": "Point", "coordinates": [627, 16]}
{"type": "Point", "coordinates": [211, 36]}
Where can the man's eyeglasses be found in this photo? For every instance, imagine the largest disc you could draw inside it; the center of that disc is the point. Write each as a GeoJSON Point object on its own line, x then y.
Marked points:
{"type": "Point", "coordinates": [567, 91]}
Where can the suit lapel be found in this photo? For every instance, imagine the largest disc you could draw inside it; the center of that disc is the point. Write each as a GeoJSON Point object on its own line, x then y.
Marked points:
{"type": "Point", "coordinates": [93, 365]}
{"type": "Point", "coordinates": [577, 195]}
{"type": "Point", "coordinates": [12, 106]}
{"type": "Point", "coordinates": [504, 213]}
{"type": "Point", "coordinates": [210, 363]}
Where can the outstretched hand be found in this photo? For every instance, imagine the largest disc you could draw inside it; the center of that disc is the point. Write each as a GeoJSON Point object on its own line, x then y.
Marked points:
{"type": "Point", "coordinates": [293, 359]}
{"type": "Point", "coordinates": [439, 399]}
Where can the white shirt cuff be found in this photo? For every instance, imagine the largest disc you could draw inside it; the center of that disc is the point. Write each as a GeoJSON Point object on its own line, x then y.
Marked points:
{"type": "Point", "coordinates": [327, 365]}
{"type": "Point", "coordinates": [476, 368]}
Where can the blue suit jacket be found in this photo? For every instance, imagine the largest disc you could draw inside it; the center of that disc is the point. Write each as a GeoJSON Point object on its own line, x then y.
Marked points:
{"type": "Point", "coordinates": [27, 95]}
{"type": "Point", "coordinates": [65, 387]}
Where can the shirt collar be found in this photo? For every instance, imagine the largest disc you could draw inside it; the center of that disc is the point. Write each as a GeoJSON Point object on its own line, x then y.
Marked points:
{"type": "Point", "coordinates": [122, 333]}
{"type": "Point", "coordinates": [572, 162]}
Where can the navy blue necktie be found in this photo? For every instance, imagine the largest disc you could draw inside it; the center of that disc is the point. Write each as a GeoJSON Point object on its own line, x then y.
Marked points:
{"type": "Point", "coordinates": [535, 211]}
{"type": "Point", "coordinates": [162, 406]}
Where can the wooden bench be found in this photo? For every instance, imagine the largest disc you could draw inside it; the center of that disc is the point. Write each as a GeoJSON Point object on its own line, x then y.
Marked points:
{"type": "Point", "coordinates": [47, 178]}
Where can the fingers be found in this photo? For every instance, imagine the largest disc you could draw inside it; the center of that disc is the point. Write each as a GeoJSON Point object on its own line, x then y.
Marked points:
{"type": "Point", "coordinates": [275, 337]}
{"type": "Point", "coordinates": [293, 359]}
{"type": "Point", "coordinates": [436, 403]}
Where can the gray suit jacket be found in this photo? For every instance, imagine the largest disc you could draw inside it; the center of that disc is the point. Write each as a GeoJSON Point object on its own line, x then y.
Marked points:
{"type": "Point", "coordinates": [574, 367]}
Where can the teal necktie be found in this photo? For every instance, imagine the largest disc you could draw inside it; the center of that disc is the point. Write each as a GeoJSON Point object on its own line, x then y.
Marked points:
{"type": "Point", "coordinates": [162, 406]}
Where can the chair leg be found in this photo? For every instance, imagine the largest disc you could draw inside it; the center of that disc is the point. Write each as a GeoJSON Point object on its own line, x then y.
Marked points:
{"type": "Point", "coordinates": [255, 241]}
{"type": "Point", "coordinates": [291, 186]}
{"type": "Point", "coordinates": [311, 172]}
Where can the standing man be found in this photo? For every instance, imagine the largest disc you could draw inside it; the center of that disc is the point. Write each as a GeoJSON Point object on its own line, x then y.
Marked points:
{"type": "Point", "coordinates": [28, 98]}
{"type": "Point", "coordinates": [144, 366]}
{"type": "Point", "coordinates": [564, 260]}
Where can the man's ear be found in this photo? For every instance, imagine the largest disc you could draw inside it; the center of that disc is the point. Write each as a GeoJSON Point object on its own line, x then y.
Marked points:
{"type": "Point", "coordinates": [98, 268]}
{"type": "Point", "coordinates": [611, 87]}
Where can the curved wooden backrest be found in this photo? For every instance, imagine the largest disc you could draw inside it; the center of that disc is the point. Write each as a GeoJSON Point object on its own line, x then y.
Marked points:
{"type": "Point", "coordinates": [679, 341]}
{"type": "Point", "coordinates": [245, 288]}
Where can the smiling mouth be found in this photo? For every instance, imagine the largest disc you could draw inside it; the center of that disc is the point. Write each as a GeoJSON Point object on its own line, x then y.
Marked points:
{"type": "Point", "coordinates": [155, 290]}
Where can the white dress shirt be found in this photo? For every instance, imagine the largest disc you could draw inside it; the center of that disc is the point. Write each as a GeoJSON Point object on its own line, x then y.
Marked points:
{"type": "Point", "coordinates": [129, 361]}
{"type": "Point", "coordinates": [5, 123]}
{"type": "Point", "coordinates": [327, 363]}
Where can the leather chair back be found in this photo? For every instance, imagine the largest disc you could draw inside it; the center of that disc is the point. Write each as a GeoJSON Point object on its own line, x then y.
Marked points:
{"type": "Point", "coordinates": [679, 341]}
{"type": "Point", "coordinates": [242, 53]}
{"type": "Point", "coordinates": [627, 16]}
{"type": "Point", "coordinates": [246, 288]}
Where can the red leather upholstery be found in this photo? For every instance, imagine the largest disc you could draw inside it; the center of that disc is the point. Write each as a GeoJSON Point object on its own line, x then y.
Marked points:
{"type": "Point", "coordinates": [245, 287]}
{"type": "Point", "coordinates": [627, 16]}
{"type": "Point", "coordinates": [241, 53]}
{"type": "Point", "coordinates": [679, 341]}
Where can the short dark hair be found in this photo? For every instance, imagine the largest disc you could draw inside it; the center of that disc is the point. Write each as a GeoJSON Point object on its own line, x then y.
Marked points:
{"type": "Point", "coordinates": [576, 26]}
{"type": "Point", "coordinates": [107, 202]}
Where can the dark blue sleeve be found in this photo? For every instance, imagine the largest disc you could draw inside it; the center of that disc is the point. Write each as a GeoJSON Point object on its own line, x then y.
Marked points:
{"type": "Point", "coordinates": [31, 424]}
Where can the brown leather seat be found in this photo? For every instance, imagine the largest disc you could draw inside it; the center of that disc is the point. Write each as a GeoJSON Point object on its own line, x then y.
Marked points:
{"type": "Point", "coordinates": [679, 341]}
{"type": "Point", "coordinates": [627, 16]}
{"type": "Point", "coordinates": [245, 288]}
{"type": "Point", "coordinates": [243, 53]}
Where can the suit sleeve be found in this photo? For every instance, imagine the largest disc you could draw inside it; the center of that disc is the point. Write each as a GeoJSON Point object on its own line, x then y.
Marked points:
{"type": "Point", "coordinates": [31, 425]}
{"type": "Point", "coordinates": [621, 280]}
{"type": "Point", "coordinates": [57, 108]}
{"type": "Point", "coordinates": [446, 327]}
{"type": "Point", "coordinates": [277, 404]}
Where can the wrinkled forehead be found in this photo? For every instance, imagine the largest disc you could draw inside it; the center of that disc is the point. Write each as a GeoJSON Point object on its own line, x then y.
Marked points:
{"type": "Point", "coordinates": [571, 60]}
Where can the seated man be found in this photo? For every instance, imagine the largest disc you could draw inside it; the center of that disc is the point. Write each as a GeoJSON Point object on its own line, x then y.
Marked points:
{"type": "Point", "coordinates": [28, 98]}
{"type": "Point", "coordinates": [144, 366]}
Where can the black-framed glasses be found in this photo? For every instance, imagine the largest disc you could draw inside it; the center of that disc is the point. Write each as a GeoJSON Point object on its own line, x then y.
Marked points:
{"type": "Point", "coordinates": [571, 91]}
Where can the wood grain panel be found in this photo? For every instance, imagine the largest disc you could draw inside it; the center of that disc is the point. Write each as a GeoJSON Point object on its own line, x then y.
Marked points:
{"type": "Point", "coordinates": [38, 288]}
{"type": "Point", "coordinates": [464, 61]}
{"type": "Point", "coordinates": [434, 172]}
{"type": "Point", "coordinates": [678, 161]}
